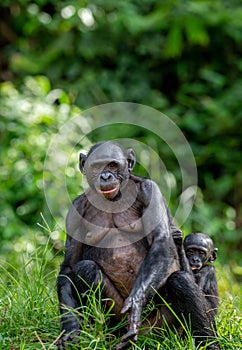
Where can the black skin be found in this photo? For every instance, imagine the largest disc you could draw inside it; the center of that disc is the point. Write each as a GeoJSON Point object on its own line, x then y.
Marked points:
{"type": "Point", "coordinates": [120, 233]}
{"type": "Point", "coordinates": [200, 253]}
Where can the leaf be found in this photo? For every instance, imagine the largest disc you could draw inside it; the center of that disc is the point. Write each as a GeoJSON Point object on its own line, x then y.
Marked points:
{"type": "Point", "coordinates": [195, 31]}
{"type": "Point", "coordinates": [174, 42]}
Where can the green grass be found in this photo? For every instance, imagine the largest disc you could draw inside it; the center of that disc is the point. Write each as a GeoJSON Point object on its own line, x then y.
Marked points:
{"type": "Point", "coordinates": [29, 315]}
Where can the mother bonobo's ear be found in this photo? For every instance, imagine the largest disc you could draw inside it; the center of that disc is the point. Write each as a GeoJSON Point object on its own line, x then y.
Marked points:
{"type": "Point", "coordinates": [82, 160]}
{"type": "Point", "coordinates": [131, 159]}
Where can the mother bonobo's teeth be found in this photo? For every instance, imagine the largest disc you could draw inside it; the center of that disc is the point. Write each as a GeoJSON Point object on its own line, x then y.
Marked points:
{"type": "Point", "coordinates": [109, 191]}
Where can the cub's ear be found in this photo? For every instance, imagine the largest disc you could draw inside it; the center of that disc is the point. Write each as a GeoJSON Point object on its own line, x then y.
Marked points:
{"type": "Point", "coordinates": [213, 255]}
{"type": "Point", "coordinates": [82, 160]}
{"type": "Point", "coordinates": [131, 159]}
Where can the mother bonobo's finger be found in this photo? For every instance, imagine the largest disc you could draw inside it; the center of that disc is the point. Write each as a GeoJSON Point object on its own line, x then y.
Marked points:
{"type": "Point", "coordinates": [125, 341]}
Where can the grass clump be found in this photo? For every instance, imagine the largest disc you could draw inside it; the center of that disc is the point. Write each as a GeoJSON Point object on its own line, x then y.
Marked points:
{"type": "Point", "coordinates": [29, 313]}
{"type": "Point", "coordinates": [28, 308]}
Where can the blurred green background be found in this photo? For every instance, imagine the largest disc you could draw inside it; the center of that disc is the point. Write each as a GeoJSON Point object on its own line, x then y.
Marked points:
{"type": "Point", "coordinates": [183, 58]}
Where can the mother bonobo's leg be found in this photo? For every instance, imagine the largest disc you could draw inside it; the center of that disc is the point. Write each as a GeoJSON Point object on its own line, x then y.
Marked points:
{"type": "Point", "coordinates": [88, 275]}
{"type": "Point", "coordinates": [77, 278]}
{"type": "Point", "coordinates": [188, 300]}
{"type": "Point", "coordinates": [160, 262]}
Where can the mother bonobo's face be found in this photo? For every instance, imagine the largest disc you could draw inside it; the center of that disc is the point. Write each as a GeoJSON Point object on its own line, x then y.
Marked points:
{"type": "Point", "coordinates": [106, 166]}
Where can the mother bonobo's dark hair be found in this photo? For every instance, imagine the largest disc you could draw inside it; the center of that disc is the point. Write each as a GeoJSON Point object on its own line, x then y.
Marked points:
{"type": "Point", "coordinates": [129, 154]}
{"type": "Point", "coordinates": [120, 237]}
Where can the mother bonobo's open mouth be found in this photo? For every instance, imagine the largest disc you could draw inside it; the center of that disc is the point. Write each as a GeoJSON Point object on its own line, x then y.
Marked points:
{"type": "Point", "coordinates": [111, 175]}
{"type": "Point", "coordinates": [109, 192]}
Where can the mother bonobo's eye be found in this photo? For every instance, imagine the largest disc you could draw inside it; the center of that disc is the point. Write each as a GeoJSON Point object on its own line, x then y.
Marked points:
{"type": "Point", "coordinates": [96, 168]}
{"type": "Point", "coordinates": [113, 166]}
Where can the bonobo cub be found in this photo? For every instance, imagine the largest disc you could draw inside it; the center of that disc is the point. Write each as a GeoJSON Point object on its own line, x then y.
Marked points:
{"type": "Point", "coordinates": [200, 252]}
{"type": "Point", "coordinates": [120, 234]}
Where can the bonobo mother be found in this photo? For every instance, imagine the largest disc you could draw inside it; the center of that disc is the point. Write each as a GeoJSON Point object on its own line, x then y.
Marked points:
{"type": "Point", "coordinates": [120, 233]}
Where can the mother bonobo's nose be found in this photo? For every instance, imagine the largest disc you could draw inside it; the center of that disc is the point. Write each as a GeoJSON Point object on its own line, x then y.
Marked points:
{"type": "Point", "coordinates": [106, 176]}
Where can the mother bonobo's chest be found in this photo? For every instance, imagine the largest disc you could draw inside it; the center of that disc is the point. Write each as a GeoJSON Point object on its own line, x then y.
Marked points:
{"type": "Point", "coordinates": [115, 240]}
{"type": "Point", "coordinates": [112, 225]}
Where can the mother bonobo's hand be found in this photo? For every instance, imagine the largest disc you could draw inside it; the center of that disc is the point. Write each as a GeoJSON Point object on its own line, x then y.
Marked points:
{"type": "Point", "coordinates": [132, 305]}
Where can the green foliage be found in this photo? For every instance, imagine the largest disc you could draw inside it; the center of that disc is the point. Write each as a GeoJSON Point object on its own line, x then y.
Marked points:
{"type": "Point", "coordinates": [29, 118]}
{"type": "Point", "coordinates": [183, 58]}
{"type": "Point", "coordinates": [91, 48]}
{"type": "Point", "coordinates": [28, 301]}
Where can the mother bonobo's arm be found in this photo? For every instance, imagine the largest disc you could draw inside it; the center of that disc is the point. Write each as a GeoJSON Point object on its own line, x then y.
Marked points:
{"type": "Point", "coordinates": [161, 260]}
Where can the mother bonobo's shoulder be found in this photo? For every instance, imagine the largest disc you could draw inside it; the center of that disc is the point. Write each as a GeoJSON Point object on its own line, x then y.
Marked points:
{"type": "Point", "coordinates": [75, 215]}
{"type": "Point", "coordinates": [80, 201]}
{"type": "Point", "coordinates": [155, 218]}
{"type": "Point", "coordinates": [149, 192]}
